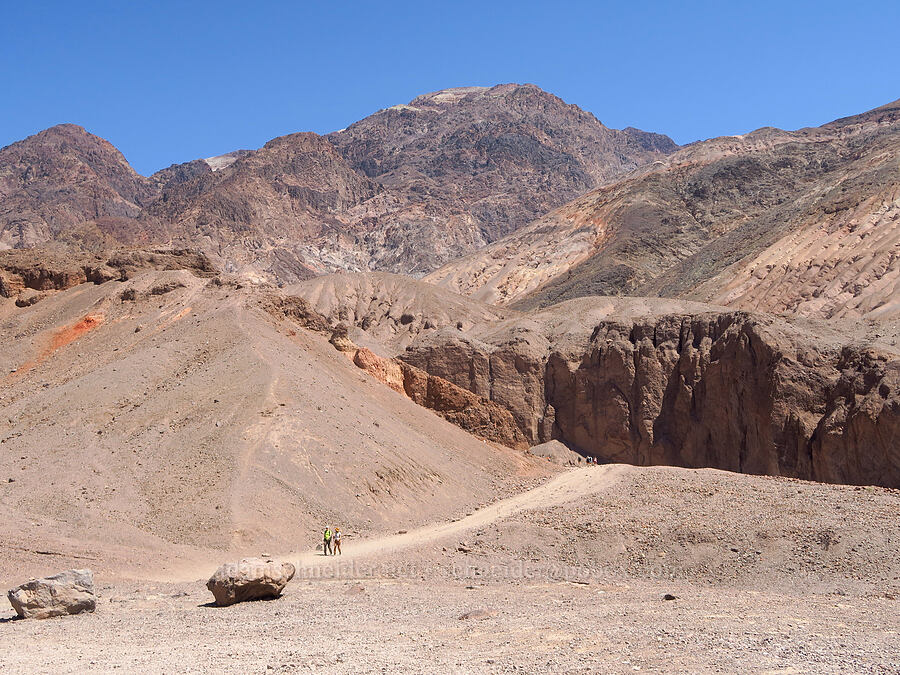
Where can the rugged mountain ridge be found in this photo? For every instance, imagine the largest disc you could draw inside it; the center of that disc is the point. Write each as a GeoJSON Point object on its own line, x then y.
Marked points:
{"type": "Point", "coordinates": [280, 211]}
{"type": "Point", "coordinates": [405, 190]}
{"type": "Point", "coordinates": [469, 165]}
{"type": "Point", "coordinates": [794, 222]}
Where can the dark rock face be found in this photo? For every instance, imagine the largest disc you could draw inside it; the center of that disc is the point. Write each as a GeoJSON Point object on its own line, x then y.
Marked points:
{"type": "Point", "coordinates": [55, 271]}
{"type": "Point", "coordinates": [859, 434]}
{"type": "Point", "coordinates": [732, 391]}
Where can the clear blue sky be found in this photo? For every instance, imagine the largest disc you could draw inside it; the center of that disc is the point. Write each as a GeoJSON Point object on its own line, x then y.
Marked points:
{"type": "Point", "coordinates": [172, 81]}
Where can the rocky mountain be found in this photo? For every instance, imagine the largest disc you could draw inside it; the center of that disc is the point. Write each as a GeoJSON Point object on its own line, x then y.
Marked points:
{"type": "Point", "coordinates": [405, 190]}
{"type": "Point", "coordinates": [281, 211]}
{"type": "Point", "coordinates": [64, 182]}
{"type": "Point", "coordinates": [797, 222]}
{"type": "Point", "coordinates": [466, 166]}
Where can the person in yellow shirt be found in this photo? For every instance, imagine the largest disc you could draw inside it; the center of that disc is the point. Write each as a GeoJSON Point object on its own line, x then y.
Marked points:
{"type": "Point", "coordinates": [326, 541]}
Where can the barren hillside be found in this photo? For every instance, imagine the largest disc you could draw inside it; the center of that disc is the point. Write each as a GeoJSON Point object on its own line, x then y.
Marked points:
{"type": "Point", "coordinates": [797, 222]}
{"type": "Point", "coordinates": [389, 312]}
{"type": "Point", "coordinates": [148, 420]}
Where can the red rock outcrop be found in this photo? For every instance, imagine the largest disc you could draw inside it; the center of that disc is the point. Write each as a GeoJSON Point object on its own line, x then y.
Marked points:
{"type": "Point", "coordinates": [471, 412]}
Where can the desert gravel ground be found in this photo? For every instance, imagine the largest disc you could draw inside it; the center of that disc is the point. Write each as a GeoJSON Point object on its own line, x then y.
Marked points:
{"type": "Point", "coordinates": [413, 625]}
{"type": "Point", "coordinates": [537, 604]}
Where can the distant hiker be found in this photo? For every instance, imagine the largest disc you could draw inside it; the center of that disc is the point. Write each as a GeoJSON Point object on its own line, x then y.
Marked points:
{"type": "Point", "coordinates": [337, 541]}
{"type": "Point", "coordinates": [326, 546]}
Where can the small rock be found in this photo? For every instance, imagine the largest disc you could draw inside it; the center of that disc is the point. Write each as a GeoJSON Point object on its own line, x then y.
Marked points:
{"type": "Point", "coordinates": [478, 614]}
{"type": "Point", "coordinates": [29, 297]}
{"type": "Point", "coordinates": [669, 596]}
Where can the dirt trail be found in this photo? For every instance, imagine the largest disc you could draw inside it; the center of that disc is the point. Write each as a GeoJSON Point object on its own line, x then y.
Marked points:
{"type": "Point", "coordinates": [563, 488]}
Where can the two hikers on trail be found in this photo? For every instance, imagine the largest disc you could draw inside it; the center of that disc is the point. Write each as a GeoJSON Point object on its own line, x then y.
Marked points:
{"type": "Point", "coordinates": [332, 539]}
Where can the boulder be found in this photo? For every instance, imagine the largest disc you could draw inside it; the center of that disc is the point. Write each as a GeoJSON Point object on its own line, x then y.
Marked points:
{"type": "Point", "coordinates": [29, 297]}
{"type": "Point", "coordinates": [69, 592]}
{"type": "Point", "coordinates": [249, 579]}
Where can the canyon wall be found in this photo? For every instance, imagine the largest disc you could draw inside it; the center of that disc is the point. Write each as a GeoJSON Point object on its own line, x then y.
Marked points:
{"type": "Point", "coordinates": [730, 390]}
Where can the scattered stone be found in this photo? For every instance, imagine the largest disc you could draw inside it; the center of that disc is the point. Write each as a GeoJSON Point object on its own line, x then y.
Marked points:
{"type": "Point", "coordinates": [478, 615]}
{"type": "Point", "coordinates": [669, 596]}
{"type": "Point", "coordinates": [69, 592]}
{"type": "Point", "coordinates": [355, 589]}
{"type": "Point", "coordinates": [168, 287]}
{"type": "Point", "coordinates": [249, 579]}
{"type": "Point", "coordinates": [29, 297]}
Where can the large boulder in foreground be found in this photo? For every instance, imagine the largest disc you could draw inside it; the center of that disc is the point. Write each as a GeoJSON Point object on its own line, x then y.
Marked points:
{"type": "Point", "coordinates": [69, 592]}
{"type": "Point", "coordinates": [249, 579]}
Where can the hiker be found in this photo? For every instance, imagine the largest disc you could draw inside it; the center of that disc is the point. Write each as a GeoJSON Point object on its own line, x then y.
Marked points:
{"type": "Point", "coordinates": [337, 541]}
{"type": "Point", "coordinates": [326, 546]}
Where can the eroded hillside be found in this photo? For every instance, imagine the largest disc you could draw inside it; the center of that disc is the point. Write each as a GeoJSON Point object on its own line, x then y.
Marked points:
{"type": "Point", "coordinates": [648, 381]}
{"type": "Point", "coordinates": [797, 222]}
{"type": "Point", "coordinates": [172, 414]}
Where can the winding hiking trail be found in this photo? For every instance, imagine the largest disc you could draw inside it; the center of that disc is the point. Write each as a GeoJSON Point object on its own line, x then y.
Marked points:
{"type": "Point", "coordinates": [560, 489]}
{"type": "Point", "coordinates": [566, 486]}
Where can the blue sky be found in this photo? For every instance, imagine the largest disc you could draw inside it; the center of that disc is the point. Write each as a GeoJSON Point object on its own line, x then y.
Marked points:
{"type": "Point", "coordinates": [172, 81]}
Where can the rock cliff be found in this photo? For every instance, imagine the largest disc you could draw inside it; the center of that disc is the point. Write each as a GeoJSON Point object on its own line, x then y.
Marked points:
{"type": "Point", "coordinates": [731, 390]}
